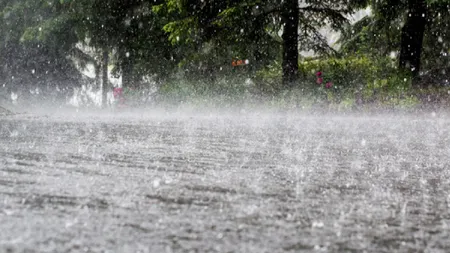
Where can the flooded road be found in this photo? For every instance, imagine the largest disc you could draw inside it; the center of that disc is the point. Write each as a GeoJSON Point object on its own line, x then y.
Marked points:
{"type": "Point", "coordinates": [244, 183]}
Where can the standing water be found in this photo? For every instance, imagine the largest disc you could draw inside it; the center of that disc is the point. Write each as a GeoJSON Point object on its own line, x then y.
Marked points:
{"type": "Point", "coordinates": [229, 183]}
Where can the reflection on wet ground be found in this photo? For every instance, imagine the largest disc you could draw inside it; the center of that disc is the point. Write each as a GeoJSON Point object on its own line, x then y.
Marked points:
{"type": "Point", "coordinates": [224, 184]}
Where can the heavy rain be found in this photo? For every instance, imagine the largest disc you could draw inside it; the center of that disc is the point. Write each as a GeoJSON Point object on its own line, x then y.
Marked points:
{"type": "Point", "coordinates": [224, 126]}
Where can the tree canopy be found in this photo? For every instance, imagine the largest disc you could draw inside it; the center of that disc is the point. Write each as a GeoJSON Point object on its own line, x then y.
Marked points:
{"type": "Point", "coordinates": [415, 30]}
{"type": "Point", "coordinates": [46, 41]}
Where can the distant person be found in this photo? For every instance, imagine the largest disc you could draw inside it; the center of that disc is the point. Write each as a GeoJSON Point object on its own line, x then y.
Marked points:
{"type": "Point", "coordinates": [119, 99]}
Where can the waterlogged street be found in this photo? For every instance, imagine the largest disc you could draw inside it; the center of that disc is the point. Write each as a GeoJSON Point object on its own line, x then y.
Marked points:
{"type": "Point", "coordinates": [148, 182]}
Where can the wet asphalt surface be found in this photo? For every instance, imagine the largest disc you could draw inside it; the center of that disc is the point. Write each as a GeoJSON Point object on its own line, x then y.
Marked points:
{"type": "Point", "coordinates": [218, 183]}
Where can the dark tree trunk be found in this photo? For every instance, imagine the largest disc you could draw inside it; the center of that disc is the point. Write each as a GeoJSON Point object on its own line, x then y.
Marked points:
{"type": "Point", "coordinates": [290, 42]}
{"type": "Point", "coordinates": [105, 81]}
{"type": "Point", "coordinates": [97, 76]}
{"type": "Point", "coordinates": [412, 36]}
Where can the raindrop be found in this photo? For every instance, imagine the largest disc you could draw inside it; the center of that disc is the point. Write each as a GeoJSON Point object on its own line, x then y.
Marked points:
{"type": "Point", "coordinates": [156, 183]}
{"type": "Point", "coordinates": [14, 96]}
{"type": "Point", "coordinates": [363, 142]}
{"type": "Point", "coordinates": [14, 133]}
{"type": "Point", "coordinates": [168, 180]}
{"type": "Point", "coordinates": [317, 224]}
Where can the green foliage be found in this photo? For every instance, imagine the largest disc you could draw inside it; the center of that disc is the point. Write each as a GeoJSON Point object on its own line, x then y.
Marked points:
{"type": "Point", "coordinates": [248, 28]}
{"type": "Point", "coordinates": [35, 46]}
{"type": "Point", "coordinates": [179, 42]}
{"type": "Point", "coordinates": [224, 92]}
{"type": "Point", "coordinates": [268, 80]}
{"type": "Point", "coordinates": [353, 77]}
{"type": "Point", "coordinates": [379, 34]}
{"type": "Point", "coordinates": [355, 80]}
{"type": "Point", "coordinates": [349, 71]}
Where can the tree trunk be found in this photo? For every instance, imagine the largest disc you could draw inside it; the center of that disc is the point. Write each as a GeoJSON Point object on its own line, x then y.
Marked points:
{"type": "Point", "coordinates": [412, 36]}
{"type": "Point", "coordinates": [290, 17]}
{"type": "Point", "coordinates": [97, 76]}
{"type": "Point", "coordinates": [105, 81]}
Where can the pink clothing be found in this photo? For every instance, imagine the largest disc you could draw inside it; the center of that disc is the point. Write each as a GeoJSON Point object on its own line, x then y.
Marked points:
{"type": "Point", "coordinates": [118, 97]}
{"type": "Point", "coordinates": [118, 92]}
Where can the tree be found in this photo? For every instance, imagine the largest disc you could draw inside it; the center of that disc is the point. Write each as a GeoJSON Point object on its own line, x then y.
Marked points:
{"type": "Point", "coordinates": [290, 17]}
{"type": "Point", "coordinates": [133, 32]}
{"type": "Point", "coordinates": [105, 79]}
{"type": "Point", "coordinates": [128, 31]}
{"type": "Point", "coordinates": [412, 36]}
{"type": "Point", "coordinates": [202, 22]}
{"type": "Point", "coordinates": [32, 58]}
{"type": "Point", "coordinates": [420, 42]}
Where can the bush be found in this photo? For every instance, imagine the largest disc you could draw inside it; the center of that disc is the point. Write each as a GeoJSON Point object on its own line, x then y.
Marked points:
{"type": "Point", "coordinates": [357, 82]}
{"type": "Point", "coordinates": [350, 75]}
{"type": "Point", "coordinates": [222, 92]}
{"type": "Point", "coordinates": [344, 81]}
